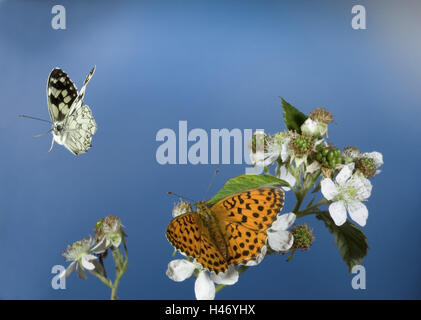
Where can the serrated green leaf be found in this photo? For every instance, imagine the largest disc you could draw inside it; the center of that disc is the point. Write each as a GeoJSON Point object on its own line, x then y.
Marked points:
{"type": "Point", "coordinates": [293, 117]}
{"type": "Point", "coordinates": [244, 182]}
{"type": "Point", "coordinates": [350, 240]}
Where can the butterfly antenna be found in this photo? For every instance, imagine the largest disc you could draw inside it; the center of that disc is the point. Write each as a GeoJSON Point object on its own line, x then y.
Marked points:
{"type": "Point", "coordinates": [174, 194]}
{"type": "Point", "coordinates": [42, 134]}
{"type": "Point", "coordinates": [29, 117]}
{"type": "Point", "coordinates": [211, 182]}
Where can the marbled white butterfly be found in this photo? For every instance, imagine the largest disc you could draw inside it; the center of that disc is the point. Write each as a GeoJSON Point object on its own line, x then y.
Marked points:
{"type": "Point", "coordinates": [73, 123]}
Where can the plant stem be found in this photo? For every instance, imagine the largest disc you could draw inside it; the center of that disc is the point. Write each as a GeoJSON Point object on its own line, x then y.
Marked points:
{"type": "Point", "coordinates": [309, 209]}
{"type": "Point", "coordinates": [117, 281]}
{"type": "Point", "coordinates": [278, 168]}
{"type": "Point", "coordinates": [290, 255]}
{"type": "Point", "coordinates": [120, 269]}
{"type": "Point", "coordinates": [300, 199]}
{"type": "Point", "coordinates": [104, 280]}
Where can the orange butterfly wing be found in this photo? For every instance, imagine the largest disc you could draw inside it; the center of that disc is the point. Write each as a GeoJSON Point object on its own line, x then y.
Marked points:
{"type": "Point", "coordinates": [187, 233]}
{"type": "Point", "coordinates": [244, 219]}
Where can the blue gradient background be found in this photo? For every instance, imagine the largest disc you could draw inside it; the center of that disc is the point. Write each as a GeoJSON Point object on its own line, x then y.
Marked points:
{"type": "Point", "coordinates": [217, 64]}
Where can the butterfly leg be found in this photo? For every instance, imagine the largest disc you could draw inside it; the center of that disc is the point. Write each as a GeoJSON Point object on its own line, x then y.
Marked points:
{"type": "Point", "coordinates": [42, 134]}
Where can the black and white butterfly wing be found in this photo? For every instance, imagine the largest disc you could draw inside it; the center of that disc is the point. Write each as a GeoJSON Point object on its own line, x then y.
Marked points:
{"type": "Point", "coordinates": [79, 128]}
{"type": "Point", "coordinates": [61, 94]}
{"type": "Point", "coordinates": [77, 103]}
{"type": "Point", "coordinates": [73, 122]}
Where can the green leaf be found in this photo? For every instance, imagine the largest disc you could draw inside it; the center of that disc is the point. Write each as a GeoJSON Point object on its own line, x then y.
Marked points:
{"type": "Point", "coordinates": [350, 240]}
{"type": "Point", "coordinates": [293, 117]}
{"type": "Point", "coordinates": [244, 182]}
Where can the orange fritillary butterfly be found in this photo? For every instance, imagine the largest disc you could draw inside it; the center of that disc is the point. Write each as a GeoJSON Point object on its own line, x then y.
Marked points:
{"type": "Point", "coordinates": [231, 232]}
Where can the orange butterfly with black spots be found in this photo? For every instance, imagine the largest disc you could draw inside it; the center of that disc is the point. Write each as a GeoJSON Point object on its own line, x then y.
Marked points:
{"type": "Point", "coordinates": [230, 232]}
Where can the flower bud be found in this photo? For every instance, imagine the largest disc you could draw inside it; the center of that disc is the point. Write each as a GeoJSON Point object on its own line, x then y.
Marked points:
{"type": "Point", "coordinates": [313, 128]}
{"type": "Point", "coordinates": [110, 230]}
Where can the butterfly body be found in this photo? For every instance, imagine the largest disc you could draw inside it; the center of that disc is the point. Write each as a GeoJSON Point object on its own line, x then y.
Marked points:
{"type": "Point", "coordinates": [211, 224]}
{"type": "Point", "coordinates": [58, 134]}
{"type": "Point", "coordinates": [73, 123]}
{"type": "Point", "coordinates": [230, 232]}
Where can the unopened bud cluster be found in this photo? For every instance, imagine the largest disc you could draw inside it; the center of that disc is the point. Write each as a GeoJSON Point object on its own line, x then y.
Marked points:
{"type": "Point", "coordinates": [328, 156]}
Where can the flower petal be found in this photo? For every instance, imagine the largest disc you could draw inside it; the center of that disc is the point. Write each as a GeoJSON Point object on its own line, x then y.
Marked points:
{"type": "Point", "coordinates": [204, 287]}
{"type": "Point", "coordinates": [376, 156]}
{"type": "Point", "coordinates": [258, 259]}
{"type": "Point", "coordinates": [358, 212]}
{"type": "Point", "coordinates": [329, 189]}
{"type": "Point", "coordinates": [337, 211]}
{"type": "Point", "coordinates": [313, 167]}
{"type": "Point", "coordinates": [321, 141]}
{"type": "Point", "coordinates": [98, 267]}
{"type": "Point", "coordinates": [285, 152]}
{"type": "Point", "coordinates": [100, 247]}
{"type": "Point", "coordinates": [180, 269]}
{"type": "Point", "coordinates": [345, 174]}
{"type": "Point", "coordinates": [362, 186]}
{"type": "Point", "coordinates": [229, 277]}
{"type": "Point", "coordinates": [280, 240]}
{"type": "Point", "coordinates": [263, 159]}
{"type": "Point", "coordinates": [85, 261]}
{"type": "Point", "coordinates": [300, 160]}
{"type": "Point", "coordinates": [309, 127]}
{"type": "Point", "coordinates": [285, 175]}
{"type": "Point", "coordinates": [283, 221]}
